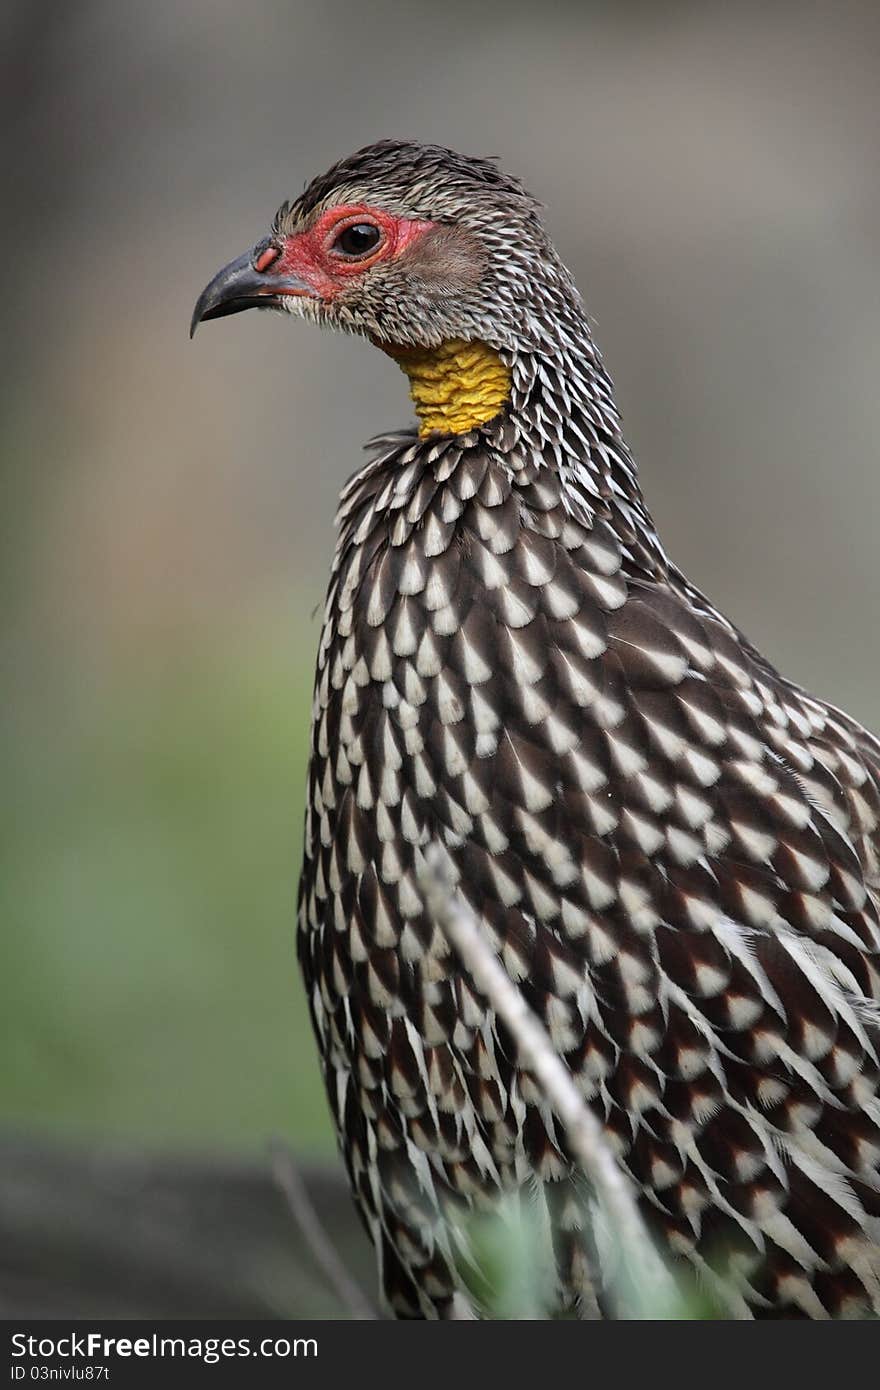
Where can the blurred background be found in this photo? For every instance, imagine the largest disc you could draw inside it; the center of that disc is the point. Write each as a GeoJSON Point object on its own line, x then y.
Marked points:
{"type": "Point", "coordinates": [711, 176]}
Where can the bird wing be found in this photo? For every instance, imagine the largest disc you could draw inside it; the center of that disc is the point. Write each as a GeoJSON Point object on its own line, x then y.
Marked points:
{"type": "Point", "coordinates": [672, 850]}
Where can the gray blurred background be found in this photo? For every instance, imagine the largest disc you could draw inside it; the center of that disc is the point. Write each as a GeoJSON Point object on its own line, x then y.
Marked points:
{"type": "Point", "coordinates": [711, 175]}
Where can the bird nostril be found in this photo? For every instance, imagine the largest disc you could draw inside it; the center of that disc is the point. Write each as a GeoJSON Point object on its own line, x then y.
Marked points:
{"type": "Point", "coordinates": [266, 258]}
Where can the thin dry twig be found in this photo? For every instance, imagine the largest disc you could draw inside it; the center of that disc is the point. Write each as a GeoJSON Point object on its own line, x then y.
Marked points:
{"type": "Point", "coordinates": [537, 1054]}
{"type": "Point", "coordinates": [287, 1176]}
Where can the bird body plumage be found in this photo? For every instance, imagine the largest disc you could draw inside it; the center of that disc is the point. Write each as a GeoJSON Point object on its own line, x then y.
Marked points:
{"type": "Point", "coordinates": [672, 849]}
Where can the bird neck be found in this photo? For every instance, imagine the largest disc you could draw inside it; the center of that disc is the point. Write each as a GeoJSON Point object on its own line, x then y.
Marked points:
{"type": "Point", "coordinates": [564, 414]}
{"type": "Point", "coordinates": [456, 386]}
{"type": "Point", "coordinates": [554, 405]}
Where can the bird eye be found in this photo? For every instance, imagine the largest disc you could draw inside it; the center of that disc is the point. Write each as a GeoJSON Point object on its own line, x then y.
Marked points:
{"type": "Point", "coordinates": [358, 239]}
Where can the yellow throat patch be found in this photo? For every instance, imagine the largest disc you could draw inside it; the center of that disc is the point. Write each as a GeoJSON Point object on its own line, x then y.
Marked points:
{"type": "Point", "coordinates": [455, 386]}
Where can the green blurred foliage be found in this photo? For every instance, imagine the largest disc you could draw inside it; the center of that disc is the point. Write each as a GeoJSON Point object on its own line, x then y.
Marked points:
{"type": "Point", "coordinates": [510, 1273]}
{"type": "Point", "coordinates": [150, 855]}
{"type": "Point", "coordinates": [507, 1271]}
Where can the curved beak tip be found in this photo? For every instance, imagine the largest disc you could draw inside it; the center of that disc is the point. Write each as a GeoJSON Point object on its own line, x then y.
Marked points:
{"type": "Point", "coordinates": [240, 286]}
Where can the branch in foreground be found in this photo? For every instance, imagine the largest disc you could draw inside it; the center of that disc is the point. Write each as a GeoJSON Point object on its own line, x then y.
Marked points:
{"type": "Point", "coordinates": [645, 1269]}
{"type": "Point", "coordinates": [287, 1176]}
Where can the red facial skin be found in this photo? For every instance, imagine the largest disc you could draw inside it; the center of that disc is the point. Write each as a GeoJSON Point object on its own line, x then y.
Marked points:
{"type": "Point", "coordinates": [310, 256]}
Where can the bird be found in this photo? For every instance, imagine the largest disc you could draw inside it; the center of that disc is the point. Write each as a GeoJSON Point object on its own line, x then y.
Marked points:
{"type": "Point", "coordinates": [673, 850]}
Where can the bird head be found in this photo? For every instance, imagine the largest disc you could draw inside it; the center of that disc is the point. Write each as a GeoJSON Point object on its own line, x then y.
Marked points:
{"type": "Point", "coordinates": [424, 252]}
{"type": "Point", "coordinates": [403, 243]}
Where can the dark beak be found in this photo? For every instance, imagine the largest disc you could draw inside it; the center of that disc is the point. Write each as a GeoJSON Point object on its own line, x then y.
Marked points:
{"type": "Point", "coordinates": [240, 286]}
